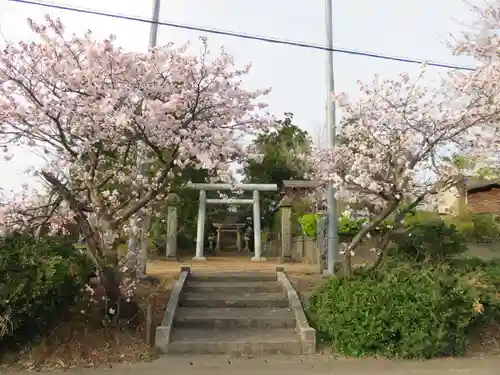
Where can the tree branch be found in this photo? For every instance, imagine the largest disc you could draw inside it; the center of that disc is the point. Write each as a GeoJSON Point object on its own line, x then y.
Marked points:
{"type": "Point", "coordinates": [146, 198]}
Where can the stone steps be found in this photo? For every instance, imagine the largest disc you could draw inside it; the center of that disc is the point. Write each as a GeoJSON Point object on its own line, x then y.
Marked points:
{"type": "Point", "coordinates": [235, 342]}
{"type": "Point", "coordinates": [233, 318]}
{"type": "Point", "coordinates": [232, 277]}
{"type": "Point", "coordinates": [236, 287]}
{"type": "Point", "coordinates": [233, 314]}
{"type": "Point", "coordinates": [218, 300]}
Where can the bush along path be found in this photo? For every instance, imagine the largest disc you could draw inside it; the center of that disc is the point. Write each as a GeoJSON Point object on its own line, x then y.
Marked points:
{"type": "Point", "coordinates": [40, 280]}
{"type": "Point", "coordinates": [51, 319]}
{"type": "Point", "coordinates": [426, 299]}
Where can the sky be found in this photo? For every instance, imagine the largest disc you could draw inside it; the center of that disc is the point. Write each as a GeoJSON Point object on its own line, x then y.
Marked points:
{"type": "Point", "coordinates": [298, 77]}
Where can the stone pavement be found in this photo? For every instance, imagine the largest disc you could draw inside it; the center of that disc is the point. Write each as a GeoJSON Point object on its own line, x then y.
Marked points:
{"type": "Point", "coordinates": [310, 365]}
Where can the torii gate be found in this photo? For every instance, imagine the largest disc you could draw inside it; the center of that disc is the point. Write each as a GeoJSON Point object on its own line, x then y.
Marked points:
{"type": "Point", "coordinates": [256, 188]}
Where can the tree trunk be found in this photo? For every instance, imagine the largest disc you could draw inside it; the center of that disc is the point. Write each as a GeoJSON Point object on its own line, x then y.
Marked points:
{"type": "Point", "coordinates": [462, 194]}
{"type": "Point", "coordinates": [347, 264]}
{"type": "Point", "coordinates": [363, 233]}
{"type": "Point", "coordinates": [111, 280]}
{"type": "Point", "coordinates": [106, 262]}
{"type": "Point", "coordinates": [383, 250]}
{"type": "Point", "coordinates": [142, 258]}
{"type": "Point", "coordinates": [398, 224]}
{"type": "Point", "coordinates": [133, 248]}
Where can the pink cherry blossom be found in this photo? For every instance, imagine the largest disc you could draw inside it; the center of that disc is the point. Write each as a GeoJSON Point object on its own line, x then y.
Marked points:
{"type": "Point", "coordinates": [396, 136]}
{"type": "Point", "coordinates": [94, 108]}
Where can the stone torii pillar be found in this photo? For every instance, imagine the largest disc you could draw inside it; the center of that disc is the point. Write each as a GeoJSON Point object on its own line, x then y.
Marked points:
{"type": "Point", "coordinates": [257, 234]}
{"type": "Point", "coordinates": [200, 229]}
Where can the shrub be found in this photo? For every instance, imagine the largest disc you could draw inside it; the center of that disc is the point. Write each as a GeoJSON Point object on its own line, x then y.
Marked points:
{"type": "Point", "coordinates": [403, 312]}
{"type": "Point", "coordinates": [491, 296]}
{"type": "Point", "coordinates": [463, 224]}
{"type": "Point", "coordinates": [476, 226]}
{"type": "Point", "coordinates": [309, 225]}
{"type": "Point", "coordinates": [349, 226]}
{"type": "Point", "coordinates": [484, 277]}
{"type": "Point", "coordinates": [428, 241]}
{"type": "Point", "coordinates": [421, 217]}
{"type": "Point", "coordinates": [39, 280]}
{"type": "Point", "coordinates": [486, 227]}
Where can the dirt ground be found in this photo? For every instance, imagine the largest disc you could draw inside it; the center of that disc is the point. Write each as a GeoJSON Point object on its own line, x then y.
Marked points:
{"type": "Point", "coordinates": [304, 277]}
{"type": "Point", "coordinates": [228, 264]}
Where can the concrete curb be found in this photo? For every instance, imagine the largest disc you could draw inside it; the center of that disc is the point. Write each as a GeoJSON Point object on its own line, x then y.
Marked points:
{"type": "Point", "coordinates": [162, 337]}
{"type": "Point", "coordinates": [306, 332]}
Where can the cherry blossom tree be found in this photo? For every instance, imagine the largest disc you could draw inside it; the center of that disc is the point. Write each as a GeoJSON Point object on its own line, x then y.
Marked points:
{"type": "Point", "coordinates": [395, 139]}
{"type": "Point", "coordinates": [92, 109]}
{"type": "Point", "coordinates": [482, 42]}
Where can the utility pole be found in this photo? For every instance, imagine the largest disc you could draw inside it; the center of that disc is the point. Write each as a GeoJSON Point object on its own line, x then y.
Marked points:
{"type": "Point", "coordinates": [331, 131]}
{"type": "Point", "coordinates": [145, 224]}
{"type": "Point", "coordinates": [153, 34]}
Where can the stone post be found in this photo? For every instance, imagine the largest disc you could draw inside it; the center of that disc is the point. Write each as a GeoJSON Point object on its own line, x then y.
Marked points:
{"type": "Point", "coordinates": [322, 241]}
{"type": "Point", "coordinates": [173, 201]}
{"type": "Point", "coordinates": [286, 229]}
{"type": "Point", "coordinates": [300, 249]}
{"type": "Point", "coordinates": [238, 239]}
{"type": "Point", "coordinates": [211, 239]}
{"type": "Point", "coordinates": [217, 241]}
{"type": "Point", "coordinates": [246, 239]}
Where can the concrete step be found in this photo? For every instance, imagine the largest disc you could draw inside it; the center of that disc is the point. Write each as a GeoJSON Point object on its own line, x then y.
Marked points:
{"type": "Point", "coordinates": [235, 287]}
{"type": "Point", "coordinates": [239, 341]}
{"type": "Point", "coordinates": [227, 277]}
{"type": "Point", "coordinates": [234, 318]}
{"type": "Point", "coordinates": [217, 300]}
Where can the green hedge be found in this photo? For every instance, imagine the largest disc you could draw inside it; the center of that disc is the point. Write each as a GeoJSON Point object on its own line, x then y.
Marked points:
{"type": "Point", "coordinates": [40, 279]}
{"type": "Point", "coordinates": [309, 225]}
{"type": "Point", "coordinates": [347, 226]}
{"type": "Point", "coordinates": [403, 311]}
{"type": "Point", "coordinates": [484, 277]}
{"type": "Point", "coordinates": [427, 240]}
{"type": "Point", "coordinates": [480, 227]}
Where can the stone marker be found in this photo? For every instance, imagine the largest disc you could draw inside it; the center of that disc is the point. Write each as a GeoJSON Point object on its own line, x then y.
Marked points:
{"type": "Point", "coordinates": [173, 201]}
{"type": "Point", "coordinates": [286, 229]}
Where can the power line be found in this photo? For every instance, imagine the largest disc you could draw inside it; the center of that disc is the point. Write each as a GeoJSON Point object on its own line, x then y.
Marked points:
{"type": "Point", "coordinates": [247, 36]}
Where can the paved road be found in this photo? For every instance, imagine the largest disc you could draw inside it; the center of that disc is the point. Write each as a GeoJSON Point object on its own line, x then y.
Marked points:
{"type": "Point", "coordinates": [313, 365]}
